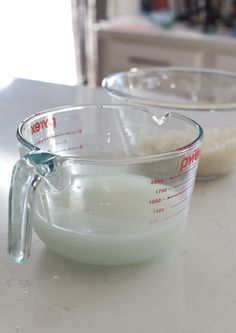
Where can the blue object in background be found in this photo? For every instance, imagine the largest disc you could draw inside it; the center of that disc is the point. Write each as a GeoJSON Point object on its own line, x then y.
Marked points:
{"type": "Point", "coordinates": [164, 18]}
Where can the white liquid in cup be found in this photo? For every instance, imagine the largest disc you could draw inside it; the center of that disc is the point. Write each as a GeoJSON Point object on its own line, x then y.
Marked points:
{"type": "Point", "coordinates": [111, 220]}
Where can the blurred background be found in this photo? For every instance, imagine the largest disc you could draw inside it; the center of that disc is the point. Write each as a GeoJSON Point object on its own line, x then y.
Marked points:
{"type": "Point", "coordinates": [81, 41]}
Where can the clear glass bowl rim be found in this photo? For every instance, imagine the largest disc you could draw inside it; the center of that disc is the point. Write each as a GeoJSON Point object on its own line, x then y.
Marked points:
{"type": "Point", "coordinates": [108, 85]}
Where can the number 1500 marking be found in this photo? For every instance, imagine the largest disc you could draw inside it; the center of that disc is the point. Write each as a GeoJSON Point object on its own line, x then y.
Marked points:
{"type": "Point", "coordinates": [155, 201]}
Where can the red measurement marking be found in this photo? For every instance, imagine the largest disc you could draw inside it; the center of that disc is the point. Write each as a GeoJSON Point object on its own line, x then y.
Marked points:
{"type": "Point", "coordinates": [183, 173]}
{"type": "Point", "coordinates": [162, 190]}
{"type": "Point", "coordinates": [179, 211]}
{"type": "Point", "coordinates": [187, 198]}
{"type": "Point", "coordinates": [155, 201]}
{"type": "Point", "coordinates": [157, 181]}
{"type": "Point", "coordinates": [58, 135]}
{"type": "Point", "coordinates": [69, 149]}
{"type": "Point", "coordinates": [39, 142]}
{"type": "Point", "coordinates": [75, 148]}
{"type": "Point", "coordinates": [158, 211]}
{"type": "Point", "coordinates": [184, 183]}
{"type": "Point", "coordinates": [175, 195]}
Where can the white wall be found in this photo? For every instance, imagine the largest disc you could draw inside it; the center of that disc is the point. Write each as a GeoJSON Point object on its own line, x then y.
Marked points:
{"type": "Point", "coordinates": [36, 39]}
{"type": "Point", "coordinates": [117, 8]}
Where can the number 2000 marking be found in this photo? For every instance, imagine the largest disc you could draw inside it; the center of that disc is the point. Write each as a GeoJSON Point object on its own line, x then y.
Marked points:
{"type": "Point", "coordinates": [157, 181]}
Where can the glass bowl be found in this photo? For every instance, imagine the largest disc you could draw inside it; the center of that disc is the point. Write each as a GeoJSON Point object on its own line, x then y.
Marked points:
{"type": "Point", "coordinates": [205, 95]}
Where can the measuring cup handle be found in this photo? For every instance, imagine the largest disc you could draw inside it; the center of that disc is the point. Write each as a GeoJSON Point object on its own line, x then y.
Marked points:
{"type": "Point", "coordinates": [26, 176]}
{"type": "Point", "coordinates": [21, 207]}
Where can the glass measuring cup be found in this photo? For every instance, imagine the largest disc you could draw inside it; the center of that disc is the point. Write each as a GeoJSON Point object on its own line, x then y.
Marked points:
{"type": "Point", "coordinates": [90, 188]}
{"type": "Point", "coordinates": [205, 95]}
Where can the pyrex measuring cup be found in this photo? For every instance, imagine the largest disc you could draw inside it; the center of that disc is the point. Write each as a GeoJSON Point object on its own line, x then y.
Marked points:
{"type": "Point", "coordinates": [93, 193]}
{"type": "Point", "coordinates": [205, 95]}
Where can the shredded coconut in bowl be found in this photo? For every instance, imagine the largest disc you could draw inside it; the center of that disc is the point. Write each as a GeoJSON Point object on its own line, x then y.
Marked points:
{"type": "Point", "coordinates": [218, 154]}
{"type": "Point", "coordinates": [162, 143]}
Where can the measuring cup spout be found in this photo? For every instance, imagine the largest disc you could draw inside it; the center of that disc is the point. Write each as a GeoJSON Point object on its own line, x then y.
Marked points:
{"type": "Point", "coordinates": [26, 176]}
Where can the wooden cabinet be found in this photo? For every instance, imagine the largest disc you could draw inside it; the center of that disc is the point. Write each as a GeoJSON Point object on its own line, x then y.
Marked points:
{"type": "Point", "coordinates": [121, 49]}
{"type": "Point", "coordinates": [225, 61]}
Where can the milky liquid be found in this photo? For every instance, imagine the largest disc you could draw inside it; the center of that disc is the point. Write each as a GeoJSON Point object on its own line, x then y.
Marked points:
{"type": "Point", "coordinates": [111, 220]}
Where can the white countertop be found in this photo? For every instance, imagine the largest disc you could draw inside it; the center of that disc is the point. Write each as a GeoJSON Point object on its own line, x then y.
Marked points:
{"type": "Point", "coordinates": [190, 291]}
